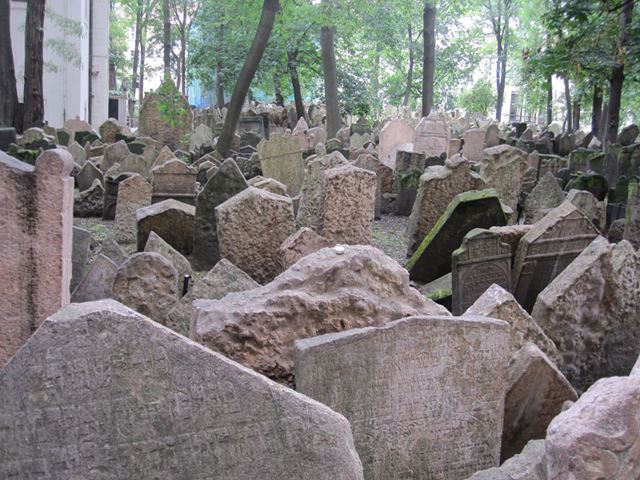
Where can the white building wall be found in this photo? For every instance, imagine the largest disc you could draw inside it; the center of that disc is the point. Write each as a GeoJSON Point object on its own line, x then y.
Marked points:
{"type": "Point", "coordinates": [100, 63]}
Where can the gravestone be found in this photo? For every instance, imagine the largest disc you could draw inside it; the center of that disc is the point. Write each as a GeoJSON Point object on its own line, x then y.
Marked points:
{"type": "Point", "coordinates": [632, 216]}
{"type": "Point", "coordinates": [281, 159]}
{"type": "Point", "coordinates": [36, 222]}
{"type": "Point", "coordinates": [127, 398]}
{"type": "Point", "coordinates": [114, 153]}
{"type": "Point", "coordinates": [224, 184]}
{"type": "Point", "coordinates": [181, 264]}
{"type": "Point", "coordinates": [90, 202]}
{"type": "Point", "coordinates": [384, 177]}
{"type": "Point", "coordinates": [477, 209]}
{"type": "Point", "coordinates": [481, 260]}
{"type": "Point", "coordinates": [409, 418]}
{"type": "Point", "coordinates": [7, 137]}
{"type": "Point", "coordinates": [87, 174]}
{"type": "Point", "coordinates": [503, 168]}
{"type": "Point", "coordinates": [174, 179]}
{"type": "Point", "coordinates": [78, 153]}
{"type": "Point", "coordinates": [530, 464]}
{"type": "Point", "coordinates": [348, 204]}
{"type": "Point", "coordinates": [253, 125]}
{"type": "Point", "coordinates": [474, 144]}
{"type": "Point", "coordinates": [109, 129]}
{"type": "Point", "coordinates": [590, 206]}
{"type": "Point", "coordinates": [544, 197]}
{"type": "Point", "coordinates": [97, 284]}
{"type": "Point", "coordinates": [170, 219]}
{"type": "Point", "coordinates": [394, 133]}
{"type": "Point", "coordinates": [148, 283]}
{"type": "Point", "coordinates": [545, 250]}
{"type": "Point", "coordinates": [202, 135]}
{"type": "Point", "coordinates": [251, 226]}
{"type": "Point", "coordinates": [300, 244]}
{"type": "Point", "coordinates": [431, 136]}
{"type": "Point", "coordinates": [134, 192]}
{"type": "Point", "coordinates": [163, 157]}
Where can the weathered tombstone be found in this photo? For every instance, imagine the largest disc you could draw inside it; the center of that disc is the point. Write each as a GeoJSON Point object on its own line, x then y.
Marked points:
{"type": "Point", "coordinates": [476, 209]}
{"type": "Point", "coordinates": [90, 202]}
{"type": "Point", "coordinates": [481, 260]}
{"type": "Point", "coordinates": [158, 245]}
{"type": "Point", "coordinates": [536, 391]}
{"type": "Point", "coordinates": [36, 221]}
{"type": "Point", "coordinates": [78, 153]}
{"type": "Point", "coordinates": [474, 144]}
{"type": "Point", "coordinates": [299, 304]}
{"type": "Point", "coordinates": [87, 174]}
{"type": "Point", "coordinates": [109, 129]}
{"type": "Point", "coordinates": [97, 284]}
{"type": "Point", "coordinates": [597, 437]}
{"type": "Point", "coordinates": [271, 185]}
{"type": "Point", "coordinates": [140, 401]}
{"type": "Point", "coordinates": [174, 179]}
{"type": "Point", "coordinates": [7, 137]}
{"type": "Point", "coordinates": [632, 217]}
{"type": "Point", "coordinates": [202, 135]}
{"type": "Point", "coordinates": [134, 192]}
{"type": "Point", "coordinates": [110, 249]}
{"type": "Point", "coordinates": [114, 153]}
{"type": "Point", "coordinates": [503, 168]}
{"type": "Point", "coordinates": [589, 205]}
{"type": "Point", "coordinates": [170, 219]}
{"type": "Point", "coordinates": [438, 186]}
{"type": "Point", "coordinates": [431, 136]}
{"type": "Point", "coordinates": [544, 197]}
{"type": "Point", "coordinates": [628, 135]}
{"type": "Point", "coordinates": [591, 182]}
{"type": "Point", "coordinates": [222, 279]}
{"type": "Point", "coordinates": [530, 464]}
{"type": "Point", "coordinates": [251, 125]}
{"type": "Point", "coordinates": [547, 249]}
{"type": "Point", "coordinates": [348, 204]}
{"type": "Point", "coordinates": [300, 244]}
{"type": "Point", "coordinates": [384, 177]}
{"type": "Point", "coordinates": [80, 249]}
{"type": "Point", "coordinates": [251, 226]}
{"type": "Point", "coordinates": [224, 184]}
{"type": "Point", "coordinates": [394, 133]}
{"type": "Point", "coordinates": [148, 283]}
{"type": "Point", "coordinates": [410, 420]}
{"type": "Point", "coordinates": [281, 159]}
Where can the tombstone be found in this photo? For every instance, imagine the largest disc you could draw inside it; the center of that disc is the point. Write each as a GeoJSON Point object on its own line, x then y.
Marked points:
{"type": "Point", "coordinates": [224, 184]}
{"type": "Point", "coordinates": [431, 136]}
{"type": "Point", "coordinates": [78, 153]}
{"type": "Point", "coordinates": [299, 304]}
{"type": "Point", "coordinates": [148, 283]}
{"type": "Point", "coordinates": [348, 205]}
{"type": "Point", "coordinates": [90, 202]}
{"type": "Point", "coordinates": [156, 405]}
{"type": "Point", "coordinates": [481, 260]}
{"type": "Point", "coordinates": [251, 130]}
{"type": "Point", "coordinates": [357, 140]}
{"type": "Point", "coordinates": [7, 137]}
{"type": "Point", "coordinates": [474, 144]}
{"type": "Point", "coordinates": [384, 177]}
{"type": "Point", "coordinates": [589, 205]}
{"type": "Point", "coordinates": [77, 125]}
{"type": "Point", "coordinates": [114, 153]}
{"type": "Point", "coordinates": [271, 185]}
{"type": "Point", "coordinates": [544, 197]}
{"type": "Point", "coordinates": [36, 221]}
{"type": "Point", "coordinates": [360, 127]}
{"type": "Point", "coordinates": [251, 226]}
{"type": "Point", "coordinates": [547, 249]}
{"type": "Point", "coordinates": [300, 244]}
{"type": "Point", "coordinates": [628, 135]}
{"type": "Point", "coordinates": [394, 133]}
{"type": "Point", "coordinates": [530, 464]}
{"type": "Point", "coordinates": [114, 252]}
{"type": "Point", "coordinates": [409, 420]}
{"type": "Point", "coordinates": [503, 168]}
{"type": "Point", "coordinates": [171, 220]}
{"type": "Point", "coordinates": [281, 159]}
{"type": "Point", "coordinates": [536, 391]}
{"type": "Point", "coordinates": [163, 157]}
{"type": "Point", "coordinates": [86, 176]}
{"type": "Point", "coordinates": [202, 135]}
{"type": "Point", "coordinates": [174, 180]}
{"type": "Point", "coordinates": [438, 186]}
{"type": "Point", "coordinates": [97, 284]}
{"type": "Point", "coordinates": [222, 279]}
{"type": "Point", "coordinates": [597, 436]}
{"type": "Point", "coordinates": [469, 210]}
{"type": "Point", "coordinates": [310, 209]}
{"type": "Point", "coordinates": [134, 192]}
{"type": "Point", "coordinates": [492, 138]}
{"type": "Point", "coordinates": [591, 182]}
{"type": "Point", "coordinates": [80, 249]}
{"type": "Point", "coordinates": [181, 264]}
{"type": "Point", "coordinates": [632, 216]}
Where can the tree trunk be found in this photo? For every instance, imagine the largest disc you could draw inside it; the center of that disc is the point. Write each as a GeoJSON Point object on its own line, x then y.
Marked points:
{"type": "Point", "coordinates": [549, 100]}
{"type": "Point", "coordinates": [143, 51]}
{"type": "Point", "coordinates": [617, 74]}
{"type": "Point", "coordinates": [269, 10]}
{"type": "Point", "coordinates": [604, 124]}
{"type": "Point", "coordinates": [429, 56]}
{"type": "Point", "coordinates": [292, 62]}
{"type": "Point", "coordinates": [166, 38]}
{"type": "Point", "coordinates": [136, 46]}
{"type": "Point", "coordinates": [596, 111]}
{"type": "Point", "coordinates": [577, 109]}
{"type": "Point", "coordinates": [407, 92]}
{"type": "Point", "coordinates": [277, 90]}
{"type": "Point", "coordinates": [219, 86]}
{"type": "Point", "coordinates": [9, 97]}
{"type": "Point", "coordinates": [567, 102]}
{"type": "Point", "coordinates": [503, 52]}
{"type": "Point", "coordinates": [330, 82]}
{"type": "Point", "coordinates": [33, 45]}
{"type": "Point", "coordinates": [183, 50]}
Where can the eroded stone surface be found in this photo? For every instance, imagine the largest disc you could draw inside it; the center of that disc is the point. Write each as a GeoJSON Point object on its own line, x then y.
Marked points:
{"type": "Point", "coordinates": [530, 464]}
{"type": "Point", "coordinates": [281, 159]}
{"type": "Point", "coordinates": [323, 292]}
{"type": "Point", "coordinates": [158, 245]}
{"type": "Point", "coordinates": [503, 168]}
{"type": "Point", "coordinates": [300, 244]}
{"type": "Point", "coordinates": [133, 193]}
{"type": "Point", "coordinates": [98, 281]}
{"type": "Point", "coordinates": [170, 219]}
{"type": "Point", "coordinates": [544, 197]}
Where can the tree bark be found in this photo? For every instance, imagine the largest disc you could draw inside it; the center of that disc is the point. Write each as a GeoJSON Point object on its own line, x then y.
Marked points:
{"type": "Point", "coordinates": [136, 46]}
{"type": "Point", "coordinates": [407, 92]}
{"type": "Point", "coordinates": [143, 51]}
{"type": "Point", "coordinates": [278, 90]}
{"type": "Point", "coordinates": [9, 97]}
{"type": "Point", "coordinates": [503, 50]}
{"type": "Point", "coordinates": [567, 101]}
{"type": "Point", "coordinates": [429, 56]}
{"type": "Point", "coordinates": [549, 100]}
{"type": "Point", "coordinates": [617, 73]}
{"type": "Point", "coordinates": [596, 110]}
{"type": "Point", "coordinates": [577, 110]}
{"type": "Point", "coordinates": [33, 46]}
{"type": "Point", "coordinates": [334, 121]}
{"type": "Point", "coordinates": [166, 38]}
{"type": "Point", "coordinates": [269, 10]}
{"type": "Point", "coordinates": [219, 86]}
{"type": "Point", "coordinates": [292, 62]}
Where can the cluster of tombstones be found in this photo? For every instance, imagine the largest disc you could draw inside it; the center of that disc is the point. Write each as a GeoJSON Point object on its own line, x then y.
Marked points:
{"type": "Point", "coordinates": [504, 347]}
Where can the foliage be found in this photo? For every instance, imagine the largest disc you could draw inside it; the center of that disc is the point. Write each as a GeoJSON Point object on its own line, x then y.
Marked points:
{"type": "Point", "coordinates": [479, 98]}
{"type": "Point", "coordinates": [171, 104]}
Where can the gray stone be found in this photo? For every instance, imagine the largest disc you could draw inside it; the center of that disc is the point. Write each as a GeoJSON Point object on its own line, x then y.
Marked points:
{"type": "Point", "coordinates": [90, 202]}
{"type": "Point", "coordinates": [222, 279]}
{"type": "Point", "coordinates": [98, 282]}
{"type": "Point", "coordinates": [110, 249]}
{"type": "Point", "coordinates": [133, 193]}
{"type": "Point", "coordinates": [114, 153]}
{"type": "Point", "coordinates": [170, 219]}
{"type": "Point", "coordinates": [227, 182]}
{"type": "Point", "coordinates": [409, 418]}
{"type": "Point", "coordinates": [140, 401]}
{"type": "Point", "coordinates": [86, 176]}
{"type": "Point", "coordinates": [544, 197]}
{"type": "Point", "coordinates": [628, 135]}
{"type": "Point", "coordinates": [158, 245]}
{"type": "Point", "coordinates": [590, 206]}
{"type": "Point", "coordinates": [78, 153]}
{"type": "Point", "coordinates": [174, 179]}
{"type": "Point", "coordinates": [300, 244]}
{"type": "Point", "coordinates": [503, 168]}
{"type": "Point", "coordinates": [79, 255]}
{"type": "Point", "coordinates": [281, 159]}
{"type": "Point", "coordinates": [431, 136]}
{"type": "Point", "coordinates": [530, 464]}
{"type": "Point", "coordinates": [632, 217]}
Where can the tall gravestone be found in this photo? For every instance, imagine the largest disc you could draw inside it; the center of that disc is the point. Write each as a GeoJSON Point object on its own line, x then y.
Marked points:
{"type": "Point", "coordinates": [394, 133]}
{"type": "Point", "coordinates": [170, 219]}
{"type": "Point", "coordinates": [174, 179]}
{"type": "Point", "coordinates": [424, 395]}
{"type": "Point", "coordinates": [481, 261]}
{"type": "Point", "coordinates": [36, 222]}
{"type": "Point", "coordinates": [431, 136]}
{"type": "Point", "coordinates": [224, 184]}
{"type": "Point", "coordinates": [133, 193]}
{"type": "Point", "coordinates": [120, 396]}
{"type": "Point", "coordinates": [281, 159]}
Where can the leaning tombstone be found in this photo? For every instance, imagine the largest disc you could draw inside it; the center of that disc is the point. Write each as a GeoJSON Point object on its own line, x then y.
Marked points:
{"type": "Point", "coordinates": [431, 136]}
{"type": "Point", "coordinates": [281, 159]}
{"type": "Point", "coordinates": [544, 197]}
{"type": "Point", "coordinates": [80, 249]}
{"type": "Point", "coordinates": [394, 133]}
{"type": "Point", "coordinates": [155, 405]}
{"type": "Point", "coordinates": [97, 284]}
{"type": "Point", "coordinates": [174, 179]}
{"type": "Point", "coordinates": [171, 220]}
{"type": "Point", "coordinates": [134, 192]}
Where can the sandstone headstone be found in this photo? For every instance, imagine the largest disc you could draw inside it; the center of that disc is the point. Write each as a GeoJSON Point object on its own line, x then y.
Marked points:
{"type": "Point", "coordinates": [163, 157]}
{"type": "Point", "coordinates": [589, 205]}
{"type": "Point", "coordinates": [632, 217]}
{"type": "Point", "coordinates": [80, 249]}
{"type": "Point", "coordinates": [114, 153]}
{"type": "Point", "coordinates": [158, 245]}
{"type": "Point", "coordinates": [481, 260]}
{"type": "Point", "coordinates": [251, 226]}
{"type": "Point", "coordinates": [78, 153]}
{"type": "Point", "coordinates": [300, 244]}
{"type": "Point", "coordinates": [133, 193]}
{"type": "Point", "coordinates": [202, 135]}
{"type": "Point", "coordinates": [394, 133]}
{"type": "Point", "coordinates": [271, 185]}
{"type": "Point", "coordinates": [544, 197]}
{"type": "Point", "coordinates": [174, 179]}
{"type": "Point", "coordinates": [530, 464]}
{"type": "Point", "coordinates": [348, 204]}
{"type": "Point", "coordinates": [324, 292]}
{"type": "Point", "coordinates": [223, 185]}
{"type": "Point", "coordinates": [431, 136]}
{"type": "Point", "coordinates": [128, 398]}
{"type": "Point", "coordinates": [88, 173]}
{"type": "Point", "coordinates": [409, 419]}
{"type": "Point", "coordinates": [36, 221]}
{"type": "Point", "coordinates": [474, 144]}
{"type": "Point", "coordinates": [98, 281]}
{"type": "Point", "coordinates": [281, 159]}
{"type": "Point", "coordinates": [503, 168]}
